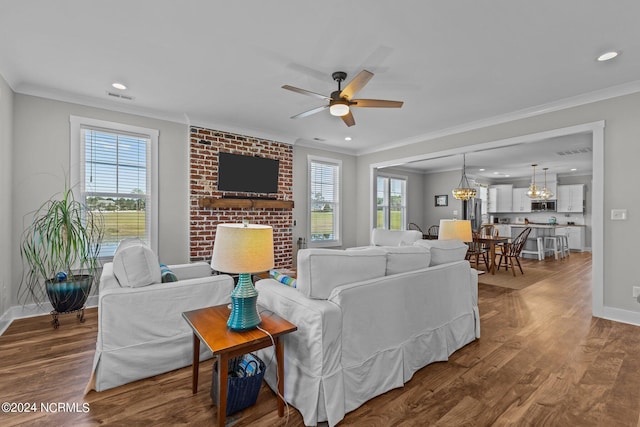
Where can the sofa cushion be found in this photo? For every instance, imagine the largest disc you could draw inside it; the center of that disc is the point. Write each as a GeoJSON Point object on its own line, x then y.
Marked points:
{"type": "Point", "coordinates": [135, 264]}
{"type": "Point", "coordinates": [444, 251]}
{"type": "Point", "coordinates": [382, 237]}
{"type": "Point", "coordinates": [406, 258]}
{"type": "Point", "coordinates": [321, 270]}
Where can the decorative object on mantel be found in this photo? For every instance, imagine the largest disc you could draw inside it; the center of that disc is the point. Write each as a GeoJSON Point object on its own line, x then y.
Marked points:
{"type": "Point", "coordinates": [243, 249]}
{"type": "Point", "coordinates": [545, 193]}
{"type": "Point", "coordinates": [455, 229]}
{"type": "Point", "coordinates": [59, 251]}
{"type": "Point", "coordinates": [534, 192]}
{"type": "Point", "coordinates": [212, 202]}
{"type": "Point", "coordinates": [464, 190]}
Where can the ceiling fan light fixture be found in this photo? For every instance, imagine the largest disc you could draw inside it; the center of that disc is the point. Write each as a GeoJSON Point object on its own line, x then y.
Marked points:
{"type": "Point", "coordinates": [339, 108]}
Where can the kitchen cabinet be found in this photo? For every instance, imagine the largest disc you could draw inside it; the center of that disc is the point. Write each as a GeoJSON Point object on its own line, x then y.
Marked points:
{"type": "Point", "coordinates": [521, 202]}
{"type": "Point", "coordinates": [500, 198]}
{"type": "Point", "coordinates": [570, 198]}
{"type": "Point", "coordinates": [575, 236]}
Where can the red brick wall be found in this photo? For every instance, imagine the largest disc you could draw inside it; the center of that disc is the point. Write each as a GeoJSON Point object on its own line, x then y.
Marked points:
{"type": "Point", "coordinates": [204, 147]}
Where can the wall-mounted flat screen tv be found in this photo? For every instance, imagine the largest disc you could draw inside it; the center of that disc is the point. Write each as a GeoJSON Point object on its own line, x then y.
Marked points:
{"type": "Point", "coordinates": [247, 174]}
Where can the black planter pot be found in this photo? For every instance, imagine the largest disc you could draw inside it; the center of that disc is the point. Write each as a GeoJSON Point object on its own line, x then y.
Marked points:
{"type": "Point", "coordinates": [69, 296]}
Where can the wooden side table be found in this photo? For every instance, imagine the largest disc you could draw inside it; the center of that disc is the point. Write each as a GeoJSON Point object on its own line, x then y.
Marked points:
{"type": "Point", "coordinates": [210, 326]}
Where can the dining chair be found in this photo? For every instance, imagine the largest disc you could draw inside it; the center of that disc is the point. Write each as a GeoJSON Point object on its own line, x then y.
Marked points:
{"type": "Point", "coordinates": [432, 232]}
{"type": "Point", "coordinates": [511, 251]}
{"type": "Point", "coordinates": [476, 251]}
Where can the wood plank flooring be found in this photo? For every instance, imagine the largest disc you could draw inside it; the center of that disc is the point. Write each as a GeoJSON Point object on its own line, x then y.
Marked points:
{"type": "Point", "coordinates": [542, 360]}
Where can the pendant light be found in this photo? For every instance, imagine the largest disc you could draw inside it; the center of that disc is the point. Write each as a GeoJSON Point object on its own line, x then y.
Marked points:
{"type": "Point", "coordinates": [534, 192]}
{"type": "Point", "coordinates": [464, 190]}
{"type": "Point", "coordinates": [545, 193]}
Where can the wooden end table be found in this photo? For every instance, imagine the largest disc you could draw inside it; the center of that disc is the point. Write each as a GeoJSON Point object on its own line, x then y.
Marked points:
{"type": "Point", "coordinates": [210, 326]}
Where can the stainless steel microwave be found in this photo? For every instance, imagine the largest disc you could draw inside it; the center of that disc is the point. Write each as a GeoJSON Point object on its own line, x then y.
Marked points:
{"type": "Point", "coordinates": [543, 206]}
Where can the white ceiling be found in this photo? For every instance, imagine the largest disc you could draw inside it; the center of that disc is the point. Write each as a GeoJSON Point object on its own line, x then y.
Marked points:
{"type": "Point", "coordinates": [222, 64]}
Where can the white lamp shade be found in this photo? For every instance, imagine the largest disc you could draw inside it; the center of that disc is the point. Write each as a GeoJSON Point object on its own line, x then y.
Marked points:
{"type": "Point", "coordinates": [455, 229]}
{"type": "Point", "coordinates": [240, 248]}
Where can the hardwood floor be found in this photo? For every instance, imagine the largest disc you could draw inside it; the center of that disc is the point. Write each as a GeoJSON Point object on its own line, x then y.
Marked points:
{"type": "Point", "coordinates": [542, 360]}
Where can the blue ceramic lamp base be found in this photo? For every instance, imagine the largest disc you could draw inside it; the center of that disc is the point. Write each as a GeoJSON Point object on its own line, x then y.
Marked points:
{"type": "Point", "coordinates": [244, 310]}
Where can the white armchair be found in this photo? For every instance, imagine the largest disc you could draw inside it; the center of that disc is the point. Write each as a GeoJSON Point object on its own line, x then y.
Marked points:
{"type": "Point", "coordinates": [141, 332]}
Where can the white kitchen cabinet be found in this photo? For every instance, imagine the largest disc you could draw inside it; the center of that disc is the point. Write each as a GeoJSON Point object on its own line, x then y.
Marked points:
{"type": "Point", "coordinates": [575, 236]}
{"type": "Point", "coordinates": [570, 198]}
{"type": "Point", "coordinates": [521, 202]}
{"type": "Point", "coordinates": [500, 198]}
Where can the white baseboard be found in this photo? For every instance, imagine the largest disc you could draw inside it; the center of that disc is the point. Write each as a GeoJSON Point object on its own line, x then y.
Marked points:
{"type": "Point", "coordinates": [620, 315]}
{"type": "Point", "coordinates": [32, 310]}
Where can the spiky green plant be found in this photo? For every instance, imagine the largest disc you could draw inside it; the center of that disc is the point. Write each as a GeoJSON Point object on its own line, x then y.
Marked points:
{"type": "Point", "coordinates": [63, 236]}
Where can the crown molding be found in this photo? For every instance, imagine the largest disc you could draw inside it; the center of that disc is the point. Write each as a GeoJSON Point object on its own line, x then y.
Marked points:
{"type": "Point", "coordinates": [562, 104]}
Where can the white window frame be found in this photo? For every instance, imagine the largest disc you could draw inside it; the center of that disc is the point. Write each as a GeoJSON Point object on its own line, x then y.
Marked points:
{"type": "Point", "coordinates": [337, 210]}
{"type": "Point", "coordinates": [387, 225]}
{"type": "Point", "coordinates": [77, 162]}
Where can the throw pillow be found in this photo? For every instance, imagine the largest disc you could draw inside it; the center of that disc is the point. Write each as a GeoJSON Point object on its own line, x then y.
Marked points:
{"type": "Point", "coordinates": [444, 251]}
{"type": "Point", "coordinates": [283, 278]}
{"type": "Point", "coordinates": [167, 275]}
{"type": "Point", "coordinates": [135, 264]}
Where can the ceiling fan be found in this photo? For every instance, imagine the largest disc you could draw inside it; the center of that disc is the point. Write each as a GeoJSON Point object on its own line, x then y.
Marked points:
{"type": "Point", "coordinates": [340, 101]}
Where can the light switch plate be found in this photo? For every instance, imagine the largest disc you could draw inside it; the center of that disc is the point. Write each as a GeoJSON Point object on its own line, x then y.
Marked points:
{"type": "Point", "coordinates": [618, 214]}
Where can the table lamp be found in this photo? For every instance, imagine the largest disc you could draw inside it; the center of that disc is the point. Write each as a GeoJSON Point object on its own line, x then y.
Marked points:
{"type": "Point", "coordinates": [243, 249]}
{"type": "Point", "coordinates": [455, 229]}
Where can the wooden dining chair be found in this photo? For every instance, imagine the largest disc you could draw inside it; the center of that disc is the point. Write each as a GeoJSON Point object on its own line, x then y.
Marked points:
{"type": "Point", "coordinates": [476, 251]}
{"type": "Point", "coordinates": [488, 230]}
{"type": "Point", "coordinates": [511, 251]}
{"type": "Point", "coordinates": [433, 231]}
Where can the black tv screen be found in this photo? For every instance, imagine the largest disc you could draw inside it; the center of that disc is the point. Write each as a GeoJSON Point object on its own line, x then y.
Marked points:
{"type": "Point", "coordinates": [247, 174]}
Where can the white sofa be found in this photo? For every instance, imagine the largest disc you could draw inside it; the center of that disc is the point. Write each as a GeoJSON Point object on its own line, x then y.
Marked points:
{"type": "Point", "coordinates": [141, 332]}
{"type": "Point", "coordinates": [367, 320]}
{"type": "Point", "coordinates": [382, 237]}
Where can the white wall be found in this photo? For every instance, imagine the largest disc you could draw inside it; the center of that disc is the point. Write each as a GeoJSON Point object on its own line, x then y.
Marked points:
{"type": "Point", "coordinates": [621, 153]}
{"type": "Point", "coordinates": [41, 159]}
{"type": "Point", "coordinates": [6, 167]}
{"type": "Point", "coordinates": [439, 184]}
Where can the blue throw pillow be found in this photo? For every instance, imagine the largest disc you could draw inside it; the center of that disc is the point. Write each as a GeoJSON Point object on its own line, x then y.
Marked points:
{"type": "Point", "coordinates": [167, 275]}
{"type": "Point", "coordinates": [283, 278]}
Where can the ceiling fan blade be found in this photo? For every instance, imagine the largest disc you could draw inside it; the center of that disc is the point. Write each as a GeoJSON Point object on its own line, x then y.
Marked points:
{"type": "Point", "coordinates": [310, 112]}
{"type": "Point", "coordinates": [348, 119]}
{"type": "Point", "coordinates": [356, 84]}
{"type": "Point", "coordinates": [305, 92]}
{"type": "Point", "coordinates": [375, 103]}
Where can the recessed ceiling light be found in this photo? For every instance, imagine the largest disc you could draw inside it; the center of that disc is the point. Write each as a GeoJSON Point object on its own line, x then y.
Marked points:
{"type": "Point", "coordinates": [119, 86]}
{"type": "Point", "coordinates": [496, 173]}
{"type": "Point", "coordinates": [573, 169]}
{"type": "Point", "coordinates": [347, 138]}
{"type": "Point", "coordinates": [481, 170]}
{"type": "Point", "coordinates": [507, 176]}
{"type": "Point", "coordinates": [607, 56]}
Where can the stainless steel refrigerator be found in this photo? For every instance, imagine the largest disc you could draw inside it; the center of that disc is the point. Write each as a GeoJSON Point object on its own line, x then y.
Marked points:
{"type": "Point", "coordinates": [473, 212]}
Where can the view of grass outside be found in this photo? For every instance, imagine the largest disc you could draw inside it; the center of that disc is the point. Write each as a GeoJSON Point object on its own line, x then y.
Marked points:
{"type": "Point", "coordinates": [322, 225]}
{"type": "Point", "coordinates": [119, 225]}
{"type": "Point", "coordinates": [395, 221]}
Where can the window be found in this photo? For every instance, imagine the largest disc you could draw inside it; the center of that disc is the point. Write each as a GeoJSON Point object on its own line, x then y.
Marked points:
{"type": "Point", "coordinates": [114, 171]}
{"type": "Point", "coordinates": [324, 201]}
{"type": "Point", "coordinates": [391, 205]}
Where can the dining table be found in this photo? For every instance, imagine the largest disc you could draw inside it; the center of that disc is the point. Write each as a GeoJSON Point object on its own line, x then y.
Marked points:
{"type": "Point", "coordinates": [492, 241]}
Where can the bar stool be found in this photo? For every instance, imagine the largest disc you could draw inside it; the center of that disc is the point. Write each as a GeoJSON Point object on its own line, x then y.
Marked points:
{"type": "Point", "coordinates": [540, 248]}
{"type": "Point", "coordinates": [563, 239]}
{"type": "Point", "coordinates": [553, 244]}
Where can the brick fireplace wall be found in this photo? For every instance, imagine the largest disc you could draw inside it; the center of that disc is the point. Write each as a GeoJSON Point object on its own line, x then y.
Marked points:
{"type": "Point", "coordinates": [204, 147]}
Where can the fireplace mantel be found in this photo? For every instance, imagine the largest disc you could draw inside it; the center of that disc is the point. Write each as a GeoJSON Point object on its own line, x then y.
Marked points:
{"type": "Point", "coordinates": [212, 202]}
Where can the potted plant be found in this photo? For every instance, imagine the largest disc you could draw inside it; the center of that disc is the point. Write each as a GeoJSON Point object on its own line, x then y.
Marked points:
{"type": "Point", "coordinates": [59, 251]}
